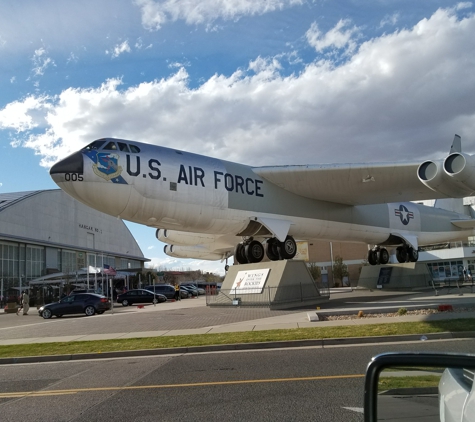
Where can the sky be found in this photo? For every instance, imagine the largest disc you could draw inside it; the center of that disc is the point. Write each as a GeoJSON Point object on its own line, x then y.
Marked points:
{"type": "Point", "coordinates": [259, 82]}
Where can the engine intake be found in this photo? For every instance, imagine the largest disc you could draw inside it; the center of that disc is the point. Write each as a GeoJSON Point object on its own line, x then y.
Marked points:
{"type": "Point", "coordinates": [433, 175]}
{"type": "Point", "coordinates": [461, 168]}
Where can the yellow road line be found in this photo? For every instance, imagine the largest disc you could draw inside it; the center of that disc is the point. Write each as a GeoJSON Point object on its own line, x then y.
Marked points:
{"type": "Point", "coordinates": [43, 393]}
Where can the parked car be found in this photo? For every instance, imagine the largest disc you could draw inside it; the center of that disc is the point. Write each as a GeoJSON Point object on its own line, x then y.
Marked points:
{"type": "Point", "coordinates": [164, 289]}
{"type": "Point", "coordinates": [190, 290]}
{"type": "Point", "coordinates": [77, 291]}
{"type": "Point", "coordinates": [88, 303]}
{"type": "Point", "coordinates": [167, 290]}
{"type": "Point", "coordinates": [200, 290]}
{"type": "Point", "coordinates": [140, 296]}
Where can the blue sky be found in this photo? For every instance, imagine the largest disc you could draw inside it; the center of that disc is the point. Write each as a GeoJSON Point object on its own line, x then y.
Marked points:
{"type": "Point", "coordinates": [254, 81]}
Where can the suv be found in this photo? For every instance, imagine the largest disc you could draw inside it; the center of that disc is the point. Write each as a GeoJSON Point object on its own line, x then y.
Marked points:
{"type": "Point", "coordinates": [168, 290]}
{"type": "Point", "coordinates": [163, 289]}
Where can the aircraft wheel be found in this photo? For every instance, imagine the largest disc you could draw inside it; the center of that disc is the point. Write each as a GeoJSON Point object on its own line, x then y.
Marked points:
{"type": "Point", "coordinates": [413, 254]}
{"type": "Point", "coordinates": [272, 249]}
{"type": "Point", "coordinates": [288, 248]}
{"type": "Point", "coordinates": [401, 254]}
{"type": "Point", "coordinates": [239, 254]}
{"type": "Point", "coordinates": [383, 256]}
{"type": "Point", "coordinates": [372, 257]}
{"type": "Point", "coordinates": [254, 251]}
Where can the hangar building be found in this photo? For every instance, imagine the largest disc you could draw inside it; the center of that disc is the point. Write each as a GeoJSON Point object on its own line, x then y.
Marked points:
{"type": "Point", "coordinates": [46, 231]}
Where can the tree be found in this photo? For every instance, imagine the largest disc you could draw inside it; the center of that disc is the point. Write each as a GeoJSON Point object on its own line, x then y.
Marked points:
{"type": "Point", "coordinates": [339, 269]}
{"type": "Point", "coordinates": [315, 270]}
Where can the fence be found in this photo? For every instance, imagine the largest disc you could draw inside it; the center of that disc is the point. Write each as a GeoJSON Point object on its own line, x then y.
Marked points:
{"type": "Point", "coordinates": [295, 295]}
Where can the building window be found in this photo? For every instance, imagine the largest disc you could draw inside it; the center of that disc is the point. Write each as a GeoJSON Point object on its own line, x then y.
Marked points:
{"type": "Point", "coordinates": [35, 262]}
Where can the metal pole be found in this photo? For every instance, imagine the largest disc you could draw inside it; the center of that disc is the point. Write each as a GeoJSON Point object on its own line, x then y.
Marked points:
{"type": "Point", "coordinates": [87, 268]}
{"type": "Point", "coordinates": [154, 294]}
{"type": "Point", "coordinates": [331, 257]}
{"type": "Point", "coordinates": [95, 272]}
{"type": "Point", "coordinates": [112, 298]}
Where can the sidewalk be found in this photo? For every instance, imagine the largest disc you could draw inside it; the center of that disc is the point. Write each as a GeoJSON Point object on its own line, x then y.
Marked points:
{"type": "Point", "coordinates": [343, 302]}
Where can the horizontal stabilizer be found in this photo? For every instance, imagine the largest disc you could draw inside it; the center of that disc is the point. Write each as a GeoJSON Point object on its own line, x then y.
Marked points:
{"type": "Point", "coordinates": [464, 224]}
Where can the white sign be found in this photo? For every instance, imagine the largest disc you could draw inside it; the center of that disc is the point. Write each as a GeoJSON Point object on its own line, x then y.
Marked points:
{"type": "Point", "coordinates": [248, 282]}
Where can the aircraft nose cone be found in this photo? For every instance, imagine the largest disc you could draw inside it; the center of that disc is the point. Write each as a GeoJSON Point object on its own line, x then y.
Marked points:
{"type": "Point", "coordinates": [71, 164]}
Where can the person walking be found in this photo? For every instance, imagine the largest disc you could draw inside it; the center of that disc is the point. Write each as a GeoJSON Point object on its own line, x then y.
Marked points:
{"type": "Point", "coordinates": [24, 303]}
{"type": "Point", "coordinates": [177, 292]}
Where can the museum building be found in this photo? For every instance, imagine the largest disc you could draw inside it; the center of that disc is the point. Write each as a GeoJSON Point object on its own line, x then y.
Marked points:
{"type": "Point", "coordinates": [47, 232]}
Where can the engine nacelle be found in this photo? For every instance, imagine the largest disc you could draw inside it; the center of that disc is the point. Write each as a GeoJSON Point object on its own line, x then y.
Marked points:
{"type": "Point", "coordinates": [461, 167]}
{"type": "Point", "coordinates": [432, 175]}
{"type": "Point", "coordinates": [197, 252]}
{"type": "Point", "coordinates": [183, 238]}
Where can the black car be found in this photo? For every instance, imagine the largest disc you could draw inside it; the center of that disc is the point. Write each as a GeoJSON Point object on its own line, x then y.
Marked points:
{"type": "Point", "coordinates": [88, 303]}
{"type": "Point", "coordinates": [168, 290]}
{"type": "Point", "coordinates": [140, 296]}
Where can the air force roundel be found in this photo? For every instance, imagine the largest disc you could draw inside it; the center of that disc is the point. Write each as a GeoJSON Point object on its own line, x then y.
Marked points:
{"type": "Point", "coordinates": [404, 214]}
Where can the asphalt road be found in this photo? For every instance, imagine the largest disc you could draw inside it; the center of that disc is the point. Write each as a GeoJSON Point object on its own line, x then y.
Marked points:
{"type": "Point", "coordinates": [306, 384]}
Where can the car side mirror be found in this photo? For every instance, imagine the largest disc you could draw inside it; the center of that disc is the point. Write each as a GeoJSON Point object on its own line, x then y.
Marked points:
{"type": "Point", "coordinates": [423, 387]}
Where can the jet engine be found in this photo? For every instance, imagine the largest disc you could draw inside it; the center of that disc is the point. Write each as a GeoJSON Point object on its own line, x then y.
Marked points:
{"type": "Point", "coordinates": [461, 168]}
{"type": "Point", "coordinates": [197, 252]}
{"type": "Point", "coordinates": [432, 174]}
{"type": "Point", "coordinates": [183, 238]}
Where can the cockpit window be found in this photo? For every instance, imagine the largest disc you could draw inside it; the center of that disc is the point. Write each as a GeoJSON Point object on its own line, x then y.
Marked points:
{"type": "Point", "coordinates": [95, 145]}
{"type": "Point", "coordinates": [123, 147]}
{"type": "Point", "coordinates": [111, 146]}
{"type": "Point", "coordinates": [133, 148]}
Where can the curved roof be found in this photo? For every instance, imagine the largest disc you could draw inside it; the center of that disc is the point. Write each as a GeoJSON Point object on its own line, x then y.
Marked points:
{"type": "Point", "coordinates": [53, 217]}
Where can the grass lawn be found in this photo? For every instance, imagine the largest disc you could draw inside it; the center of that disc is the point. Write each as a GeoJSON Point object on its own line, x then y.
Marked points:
{"type": "Point", "coordinates": [64, 348]}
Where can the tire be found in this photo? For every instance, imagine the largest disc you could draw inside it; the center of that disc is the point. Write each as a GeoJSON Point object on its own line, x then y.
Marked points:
{"type": "Point", "coordinates": [254, 252]}
{"type": "Point", "coordinates": [372, 257]}
{"type": "Point", "coordinates": [272, 249]}
{"type": "Point", "coordinates": [239, 254]}
{"type": "Point", "coordinates": [383, 256]}
{"type": "Point", "coordinates": [47, 314]}
{"type": "Point", "coordinates": [413, 254]}
{"type": "Point", "coordinates": [401, 254]}
{"type": "Point", "coordinates": [288, 248]}
{"type": "Point", "coordinates": [89, 310]}
{"type": "Point", "coordinates": [125, 302]}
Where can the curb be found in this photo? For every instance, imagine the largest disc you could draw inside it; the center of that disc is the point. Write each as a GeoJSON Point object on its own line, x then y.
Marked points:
{"type": "Point", "coordinates": [240, 346]}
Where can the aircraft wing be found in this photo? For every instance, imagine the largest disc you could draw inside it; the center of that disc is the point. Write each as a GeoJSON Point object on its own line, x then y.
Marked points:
{"type": "Point", "coordinates": [351, 184]}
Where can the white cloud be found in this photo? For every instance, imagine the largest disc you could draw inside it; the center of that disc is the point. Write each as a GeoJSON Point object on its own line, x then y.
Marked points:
{"type": "Point", "coordinates": [12, 79]}
{"type": "Point", "coordinates": [41, 62]}
{"type": "Point", "coordinates": [464, 5]}
{"type": "Point", "coordinates": [400, 96]}
{"type": "Point", "coordinates": [195, 12]}
{"type": "Point", "coordinates": [338, 37]}
{"type": "Point", "coordinates": [25, 115]}
{"type": "Point", "coordinates": [119, 49]}
{"type": "Point", "coordinates": [390, 20]}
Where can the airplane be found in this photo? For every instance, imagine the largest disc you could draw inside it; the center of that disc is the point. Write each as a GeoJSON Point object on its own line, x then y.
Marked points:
{"type": "Point", "coordinates": [207, 208]}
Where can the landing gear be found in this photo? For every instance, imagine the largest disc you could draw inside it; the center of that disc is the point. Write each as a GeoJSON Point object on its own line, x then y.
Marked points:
{"type": "Point", "coordinates": [288, 248]}
{"type": "Point", "coordinates": [407, 254]}
{"type": "Point", "coordinates": [272, 249]}
{"type": "Point", "coordinates": [378, 256]}
{"type": "Point", "coordinates": [240, 254]}
{"type": "Point", "coordinates": [252, 251]}
{"type": "Point", "coordinates": [401, 254]}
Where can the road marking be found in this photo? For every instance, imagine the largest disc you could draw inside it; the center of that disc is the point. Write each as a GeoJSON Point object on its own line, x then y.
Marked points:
{"type": "Point", "coordinates": [44, 393]}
